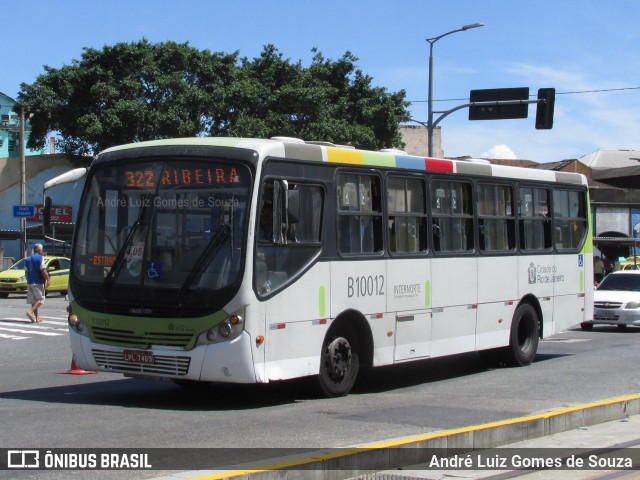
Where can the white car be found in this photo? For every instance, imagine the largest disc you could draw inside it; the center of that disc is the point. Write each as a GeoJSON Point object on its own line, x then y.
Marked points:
{"type": "Point", "coordinates": [617, 300]}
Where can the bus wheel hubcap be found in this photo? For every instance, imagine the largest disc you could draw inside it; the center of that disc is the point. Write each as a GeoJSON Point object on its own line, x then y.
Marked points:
{"type": "Point", "coordinates": [339, 356]}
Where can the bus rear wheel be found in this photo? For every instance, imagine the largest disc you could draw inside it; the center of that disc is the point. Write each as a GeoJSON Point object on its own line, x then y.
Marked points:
{"type": "Point", "coordinates": [525, 332]}
{"type": "Point", "coordinates": [339, 364]}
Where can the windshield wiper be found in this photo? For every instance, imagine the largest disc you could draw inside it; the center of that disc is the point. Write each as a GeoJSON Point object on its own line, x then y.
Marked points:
{"type": "Point", "coordinates": [205, 257]}
{"type": "Point", "coordinates": [117, 264]}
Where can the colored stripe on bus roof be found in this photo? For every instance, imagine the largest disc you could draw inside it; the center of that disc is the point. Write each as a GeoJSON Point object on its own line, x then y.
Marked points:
{"type": "Point", "coordinates": [360, 157]}
{"type": "Point", "coordinates": [423, 163]}
{"type": "Point", "coordinates": [415, 163]}
{"type": "Point", "coordinates": [380, 159]}
{"type": "Point", "coordinates": [439, 165]}
{"type": "Point", "coordinates": [344, 155]}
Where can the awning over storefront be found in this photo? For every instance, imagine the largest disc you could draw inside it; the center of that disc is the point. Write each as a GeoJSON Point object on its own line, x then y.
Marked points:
{"type": "Point", "coordinates": [60, 231]}
{"type": "Point", "coordinates": [616, 241]}
{"type": "Point", "coordinates": [9, 235]}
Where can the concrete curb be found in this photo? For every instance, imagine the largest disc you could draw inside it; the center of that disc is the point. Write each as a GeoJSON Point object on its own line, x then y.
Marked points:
{"type": "Point", "coordinates": [337, 464]}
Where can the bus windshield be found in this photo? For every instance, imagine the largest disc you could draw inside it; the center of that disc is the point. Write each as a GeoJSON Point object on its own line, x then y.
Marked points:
{"type": "Point", "coordinates": [174, 226]}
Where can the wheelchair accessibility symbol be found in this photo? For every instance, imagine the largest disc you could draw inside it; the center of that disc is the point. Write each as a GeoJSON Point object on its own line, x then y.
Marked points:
{"type": "Point", "coordinates": [154, 270]}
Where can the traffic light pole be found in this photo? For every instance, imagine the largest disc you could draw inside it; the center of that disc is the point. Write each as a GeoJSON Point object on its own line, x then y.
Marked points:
{"type": "Point", "coordinates": [495, 103]}
{"type": "Point", "coordinates": [446, 113]}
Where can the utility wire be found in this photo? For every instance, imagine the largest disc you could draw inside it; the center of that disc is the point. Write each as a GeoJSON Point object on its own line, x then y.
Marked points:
{"type": "Point", "coordinates": [557, 93]}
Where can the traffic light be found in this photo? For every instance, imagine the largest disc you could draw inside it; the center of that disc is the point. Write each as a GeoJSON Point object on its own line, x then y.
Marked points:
{"type": "Point", "coordinates": [544, 112]}
{"type": "Point", "coordinates": [497, 110]}
{"type": "Point", "coordinates": [46, 213]}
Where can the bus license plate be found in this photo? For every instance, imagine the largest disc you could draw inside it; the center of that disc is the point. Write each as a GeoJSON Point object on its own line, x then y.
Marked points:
{"type": "Point", "coordinates": [137, 356]}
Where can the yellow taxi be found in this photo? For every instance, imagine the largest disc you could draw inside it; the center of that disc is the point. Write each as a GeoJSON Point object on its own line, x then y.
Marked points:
{"type": "Point", "coordinates": [630, 263]}
{"type": "Point", "coordinates": [14, 279]}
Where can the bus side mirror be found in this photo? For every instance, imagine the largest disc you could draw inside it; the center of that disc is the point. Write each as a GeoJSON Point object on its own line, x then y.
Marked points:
{"type": "Point", "coordinates": [293, 205]}
{"type": "Point", "coordinates": [46, 213]}
{"type": "Point", "coordinates": [286, 210]}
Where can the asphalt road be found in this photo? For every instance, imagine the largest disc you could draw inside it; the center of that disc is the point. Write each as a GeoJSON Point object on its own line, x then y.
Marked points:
{"type": "Point", "coordinates": [42, 407]}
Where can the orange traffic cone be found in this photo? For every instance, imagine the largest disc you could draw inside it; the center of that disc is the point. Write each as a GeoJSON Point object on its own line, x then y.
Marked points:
{"type": "Point", "coordinates": [75, 370]}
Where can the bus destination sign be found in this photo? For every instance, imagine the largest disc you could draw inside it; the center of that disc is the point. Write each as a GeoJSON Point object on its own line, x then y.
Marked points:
{"type": "Point", "coordinates": [181, 177]}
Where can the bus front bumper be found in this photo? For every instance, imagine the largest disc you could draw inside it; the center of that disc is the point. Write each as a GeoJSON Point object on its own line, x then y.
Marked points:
{"type": "Point", "coordinates": [229, 362]}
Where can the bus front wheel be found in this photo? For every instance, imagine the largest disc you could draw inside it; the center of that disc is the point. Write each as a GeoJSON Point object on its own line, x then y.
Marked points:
{"type": "Point", "coordinates": [525, 331]}
{"type": "Point", "coordinates": [339, 364]}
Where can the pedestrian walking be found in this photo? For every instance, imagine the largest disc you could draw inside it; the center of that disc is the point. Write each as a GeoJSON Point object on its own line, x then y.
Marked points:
{"type": "Point", "coordinates": [608, 266]}
{"type": "Point", "coordinates": [37, 282]}
{"type": "Point", "coordinates": [598, 269]}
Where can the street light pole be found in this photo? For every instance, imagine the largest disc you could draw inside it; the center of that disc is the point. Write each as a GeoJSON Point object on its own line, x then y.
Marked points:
{"type": "Point", "coordinates": [431, 41]}
{"type": "Point", "coordinates": [23, 187]}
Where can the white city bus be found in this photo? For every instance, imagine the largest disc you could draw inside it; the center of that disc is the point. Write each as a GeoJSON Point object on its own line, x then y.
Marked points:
{"type": "Point", "coordinates": [252, 260]}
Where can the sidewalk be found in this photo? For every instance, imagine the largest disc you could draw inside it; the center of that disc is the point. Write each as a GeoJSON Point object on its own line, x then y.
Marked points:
{"type": "Point", "coordinates": [555, 435]}
{"type": "Point", "coordinates": [621, 434]}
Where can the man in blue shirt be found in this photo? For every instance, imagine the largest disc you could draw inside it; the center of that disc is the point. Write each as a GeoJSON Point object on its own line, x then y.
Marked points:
{"type": "Point", "coordinates": [37, 281]}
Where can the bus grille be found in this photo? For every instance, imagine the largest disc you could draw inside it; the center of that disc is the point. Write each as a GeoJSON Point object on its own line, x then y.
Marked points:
{"type": "Point", "coordinates": [129, 339]}
{"type": "Point", "coordinates": [162, 364]}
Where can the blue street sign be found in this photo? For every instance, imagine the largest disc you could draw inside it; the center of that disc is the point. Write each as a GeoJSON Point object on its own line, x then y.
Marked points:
{"type": "Point", "coordinates": [24, 211]}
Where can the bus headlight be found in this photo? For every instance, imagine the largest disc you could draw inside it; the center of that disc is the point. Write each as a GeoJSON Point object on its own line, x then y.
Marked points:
{"type": "Point", "coordinates": [77, 324]}
{"type": "Point", "coordinates": [224, 329]}
{"type": "Point", "coordinates": [228, 329]}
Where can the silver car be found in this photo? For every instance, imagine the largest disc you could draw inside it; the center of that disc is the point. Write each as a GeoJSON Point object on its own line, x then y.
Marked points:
{"type": "Point", "coordinates": [617, 300]}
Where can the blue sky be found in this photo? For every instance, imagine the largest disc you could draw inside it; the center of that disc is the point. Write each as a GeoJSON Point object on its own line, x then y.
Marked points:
{"type": "Point", "coordinates": [571, 45]}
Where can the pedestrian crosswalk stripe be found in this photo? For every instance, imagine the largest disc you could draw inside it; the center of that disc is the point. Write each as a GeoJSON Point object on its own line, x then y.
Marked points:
{"type": "Point", "coordinates": [47, 320]}
{"type": "Point", "coordinates": [61, 320]}
{"type": "Point", "coordinates": [12, 337]}
{"type": "Point", "coordinates": [33, 332]}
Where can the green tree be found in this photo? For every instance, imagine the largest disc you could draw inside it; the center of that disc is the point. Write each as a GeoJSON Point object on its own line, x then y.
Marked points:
{"type": "Point", "coordinates": [142, 91]}
{"type": "Point", "coordinates": [128, 93]}
{"type": "Point", "coordinates": [328, 101]}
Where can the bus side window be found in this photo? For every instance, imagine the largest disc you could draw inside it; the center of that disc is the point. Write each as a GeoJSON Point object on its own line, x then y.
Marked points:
{"type": "Point", "coordinates": [452, 223]}
{"type": "Point", "coordinates": [359, 213]}
{"type": "Point", "coordinates": [407, 214]}
{"type": "Point", "coordinates": [276, 265]}
{"type": "Point", "coordinates": [570, 219]}
{"type": "Point", "coordinates": [535, 223]}
{"type": "Point", "coordinates": [496, 221]}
